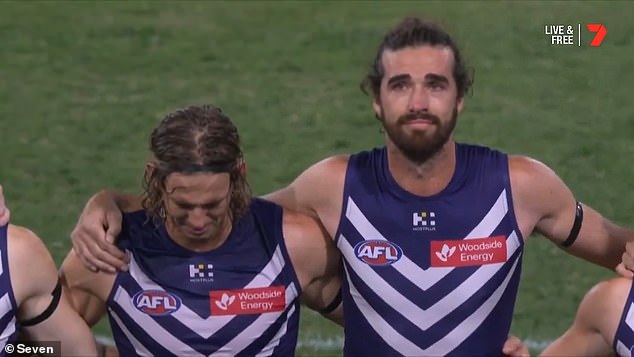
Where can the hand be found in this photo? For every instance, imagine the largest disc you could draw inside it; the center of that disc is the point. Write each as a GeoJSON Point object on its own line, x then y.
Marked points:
{"type": "Point", "coordinates": [627, 263]}
{"type": "Point", "coordinates": [4, 211]}
{"type": "Point", "coordinates": [95, 233]}
{"type": "Point", "coordinates": [513, 347]}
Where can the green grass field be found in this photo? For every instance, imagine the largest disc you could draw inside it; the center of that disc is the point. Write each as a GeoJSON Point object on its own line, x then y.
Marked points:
{"type": "Point", "coordinates": [84, 82]}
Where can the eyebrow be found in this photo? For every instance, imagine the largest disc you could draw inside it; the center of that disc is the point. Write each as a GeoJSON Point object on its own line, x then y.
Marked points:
{"type": "Point", "coordinates": [398, 78]}
{"type": "Point", "coordinates": [428, 77]}
{"type": "Point", "coordinates": [436, 78]}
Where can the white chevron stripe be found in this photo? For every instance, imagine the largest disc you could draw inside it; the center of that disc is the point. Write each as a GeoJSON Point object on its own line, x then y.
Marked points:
{"type": "Point", "coordinates": [453, 339]}
{"type": "Point", "coordinates": [424, 318]}
{"type": "Point", "coordinates": [629, 318]}
{"type": "Point", "coordinates": [1, 267]}
{"type": "Point", "coordinates": [138, 346]}
{"type": "Point", "coordinates": [6, 307]}
{"type": "Point", "coordinates": [268, 349]}
{"type": "Point", "coordinates": [443, 346]}
{"type": "Point", "coordinates": [176, 346]}
{"type": "Point", "coordinates": [204, 326]}
{"type": "Point", "coordinates": [401, 344]}
{"type": "Point", "coordinates": [253, 331]}
{"type": "Point", "coordinates": [426, 278]}
{"type": "Point", "coordinates": [159, 334]}
{"type": "Point", "coordinates": [622, 349]}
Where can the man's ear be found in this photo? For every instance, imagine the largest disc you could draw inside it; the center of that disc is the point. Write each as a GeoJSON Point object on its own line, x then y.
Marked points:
{"type": "Point", "coordinates": [242, 167]}
{"type": "Point", "coordinates": [376, 105]}
{"type": "Point", "coordinates": [150, 166]}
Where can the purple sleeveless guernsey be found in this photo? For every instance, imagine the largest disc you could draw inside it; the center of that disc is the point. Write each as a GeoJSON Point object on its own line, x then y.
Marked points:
{"type": "Point", "coordinates": [240, 299]}
{"type": "Point", "coordinates": [429, 276]}
{"type": "Point", "coordinates": [624, 337]}
{"type": "Point", "coordinates": [8, 305]}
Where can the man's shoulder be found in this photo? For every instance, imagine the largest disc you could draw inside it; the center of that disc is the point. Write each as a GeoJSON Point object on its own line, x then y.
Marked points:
{"type": "Point", "coordinates": [333, 163]}
{"type": "Point", "coordinates": [22, 241]}
{"type": "Point", "coordinates": [31, 266]}
{"type": "Point", "coordinates": [611, 291]}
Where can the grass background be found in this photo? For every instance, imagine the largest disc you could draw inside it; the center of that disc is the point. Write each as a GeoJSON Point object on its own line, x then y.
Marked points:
{"type": "Point", "coordinates": [83, 83]}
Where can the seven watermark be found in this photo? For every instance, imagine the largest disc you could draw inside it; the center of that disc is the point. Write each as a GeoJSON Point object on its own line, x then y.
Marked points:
{"type": "Point", "coordinates": [21, 348]}
{"type": "Point", "coordinates": [571, 35]}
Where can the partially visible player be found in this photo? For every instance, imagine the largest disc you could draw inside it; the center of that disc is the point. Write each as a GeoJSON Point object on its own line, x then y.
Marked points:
{"type": "Point", "coordinates": [32, 303]}
{"type": "Point", "coordinates": [604, 324]}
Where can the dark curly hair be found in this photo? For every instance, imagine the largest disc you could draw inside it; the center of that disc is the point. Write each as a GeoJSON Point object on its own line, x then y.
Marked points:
{"type": "Point", "coordinates": [194, 139]}
{"type": "Point", "coordinates": [413, 31]}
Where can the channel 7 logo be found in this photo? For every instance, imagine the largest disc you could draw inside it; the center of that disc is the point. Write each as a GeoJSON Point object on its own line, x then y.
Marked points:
{"type": "Point", "coordinates": [600, 33]}
{"type": "Point", "coordinates": [570, 35]}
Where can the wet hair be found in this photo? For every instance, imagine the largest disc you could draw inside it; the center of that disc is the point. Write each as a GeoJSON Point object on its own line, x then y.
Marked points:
{"type": "Point", "coordinates": [412, 32]}
{"type": "Point", "coordinates": [195, 139]}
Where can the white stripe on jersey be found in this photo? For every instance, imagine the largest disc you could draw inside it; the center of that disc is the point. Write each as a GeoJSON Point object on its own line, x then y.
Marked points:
{"type": "Point", "coordinates": [443, 346]}
{"type": "Point", "coordinates": [424, 318]}
{"type": "Point", "coordinates": [425, 278]}
{"type": "Point", "coordinates": [158, 333]}
{"type": "Point", "coordinates": [177, 347]}
{"type": "Point", "coordinates": [268, 349]}
{"type": "Point", "coordinates": [138, 346]}
{"type": "Point", "coordinates": [622, 349]}
{"type": "Point", "coordinates": [206, 327]}
{"type": "Point", "coordinates": [5, 308]}
{"type": "Point", "coordinates": [454, 338]}
{"type": "Point", "coordinates": [1, 267]}
{"type": "Point", "coordinates": [629, 318]}
{"type": "Point", "coordinates": [203, 326]}
{"type": "Point", "coordinates": [255, 329]}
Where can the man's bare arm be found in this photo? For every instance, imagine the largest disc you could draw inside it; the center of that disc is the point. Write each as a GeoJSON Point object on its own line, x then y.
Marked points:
{"type": "Point", "coordinates": [545, 204]}
{"type": "Point", "coordinates": [34, 279]}
{"type": "Point", "coordinates": [317, 263]}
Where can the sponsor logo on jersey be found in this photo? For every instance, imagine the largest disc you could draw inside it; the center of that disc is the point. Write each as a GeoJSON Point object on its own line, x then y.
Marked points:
{"type": "Point", "coordinates": [424, 221]}
{"type": "Point", "coordinates": [156, 302]}
{"type": "Point", "coordinates": [378, 252]}
{"type": "Point", "coordinates": [468, 252]}
{"type": "Point", "coordinates": [248, 301]}
{"type": "Point", "coordinates": [201, 273]}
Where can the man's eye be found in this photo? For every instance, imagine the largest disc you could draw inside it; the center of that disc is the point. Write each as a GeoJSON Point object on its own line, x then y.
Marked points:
{"type": "Point", "coordinates": [399, 86]}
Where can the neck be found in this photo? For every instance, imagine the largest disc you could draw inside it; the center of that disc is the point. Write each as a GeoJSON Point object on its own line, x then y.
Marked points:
{"type": "Point", "coordinates": [201, 244]}
{"type": "Point", "coordinates": [423, 178]}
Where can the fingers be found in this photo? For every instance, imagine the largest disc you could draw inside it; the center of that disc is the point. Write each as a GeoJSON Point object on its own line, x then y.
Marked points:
{"type": "Point", "coordinates": [627, 262]}
{"type": "Point", "coordinates": [623, 271]}
{"type": "Point", "coordinates": [514, 347]}
{"type": "Point", "coordinates": [109, 255]}
{"type": "Point", "coordinates": [93, 239]}
{"type": "Point", "coordinates": [95, 252]}
{"type": "Point", "coordinates": [114, 223]}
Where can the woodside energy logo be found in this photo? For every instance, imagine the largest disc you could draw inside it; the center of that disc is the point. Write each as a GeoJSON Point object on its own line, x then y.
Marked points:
{"type": "Point", "coordinates": [570, 35]}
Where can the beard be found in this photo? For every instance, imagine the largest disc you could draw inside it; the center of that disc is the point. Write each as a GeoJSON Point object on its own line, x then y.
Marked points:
{"type": "Point", "coordinates": [419, 146]}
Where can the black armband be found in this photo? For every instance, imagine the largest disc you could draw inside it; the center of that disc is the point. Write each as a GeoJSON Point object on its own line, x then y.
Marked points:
{"type": "Point", "coordinates": [57, 294]}
{"type": "Point", "coordinates": [576, 227]}
{"type": "Point", "coordinates": [333, 305]}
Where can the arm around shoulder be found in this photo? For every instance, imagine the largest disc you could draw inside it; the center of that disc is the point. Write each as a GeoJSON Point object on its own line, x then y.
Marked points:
{"type": "Point", "coordinates": [317, 263]}
{"type": "Point", "coordinates": [312, 188]}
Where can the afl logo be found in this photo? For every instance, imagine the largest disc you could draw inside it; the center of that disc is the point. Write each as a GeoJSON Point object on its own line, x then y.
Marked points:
{"type": "Point", "coordinates": [378, 252]}
{"type": "Point", "coordinates": [156, 302]}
